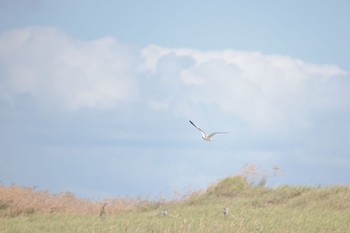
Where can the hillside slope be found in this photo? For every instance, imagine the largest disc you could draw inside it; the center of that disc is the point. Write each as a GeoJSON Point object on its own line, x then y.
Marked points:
{"type": "Point", "coordinates": [248, 208]}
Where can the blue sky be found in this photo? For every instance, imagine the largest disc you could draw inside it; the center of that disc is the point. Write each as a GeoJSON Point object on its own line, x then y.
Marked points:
{"type": "Point", "coordinates": [95, 97]}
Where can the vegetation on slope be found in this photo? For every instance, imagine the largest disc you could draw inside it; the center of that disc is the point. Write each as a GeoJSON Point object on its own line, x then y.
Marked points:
{"type": "Point", "coordinates": [249, 205]}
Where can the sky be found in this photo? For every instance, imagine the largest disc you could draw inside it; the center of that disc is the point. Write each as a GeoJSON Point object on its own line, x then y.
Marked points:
{"type": "Point", "coordinates": [96, 96]}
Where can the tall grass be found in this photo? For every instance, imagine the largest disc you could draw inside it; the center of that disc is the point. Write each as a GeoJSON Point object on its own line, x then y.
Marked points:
{"type": "Point", "coordinates": [253, 208]}
{"type": "Point", "coordinates": [15, 201]}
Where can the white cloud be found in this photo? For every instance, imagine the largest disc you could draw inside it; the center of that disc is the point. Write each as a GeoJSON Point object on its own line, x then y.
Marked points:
{"type": "Point", "coordinates": [267, 92]}
{"type": "Point", "coordinates": [63, 72]}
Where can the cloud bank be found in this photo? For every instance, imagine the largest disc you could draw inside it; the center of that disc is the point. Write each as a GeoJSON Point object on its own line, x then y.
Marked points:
{"type": "Point", "coordinates": [262, 91]}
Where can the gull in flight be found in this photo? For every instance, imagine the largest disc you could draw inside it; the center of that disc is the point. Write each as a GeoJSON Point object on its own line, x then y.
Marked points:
{"type": "Point", "coordinates": [204, 135]}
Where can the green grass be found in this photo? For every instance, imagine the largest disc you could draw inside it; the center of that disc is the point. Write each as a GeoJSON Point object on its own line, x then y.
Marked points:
{"type": "Point", "coordinates": [252, 209]}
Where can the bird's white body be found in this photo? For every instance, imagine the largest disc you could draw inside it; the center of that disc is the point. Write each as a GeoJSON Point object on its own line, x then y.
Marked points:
{"type": "Point", "coordinates": [204, 135]}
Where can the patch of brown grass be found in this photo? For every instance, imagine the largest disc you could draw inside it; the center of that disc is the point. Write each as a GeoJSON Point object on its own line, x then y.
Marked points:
{"type": "Point", "coordinates": [16, 200]}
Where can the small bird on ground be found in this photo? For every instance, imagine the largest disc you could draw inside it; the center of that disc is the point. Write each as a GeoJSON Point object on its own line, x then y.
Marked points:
{"type": "Point", "coordinates": [204, 135]}
{"type": "Point", "coordinates": [164, 213]}
{"type": "Point", "coordinates": [226, 211]}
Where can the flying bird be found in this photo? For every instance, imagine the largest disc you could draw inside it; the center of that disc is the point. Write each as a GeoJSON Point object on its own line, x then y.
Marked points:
{"type": "Point", "coordinates": [204, 135]}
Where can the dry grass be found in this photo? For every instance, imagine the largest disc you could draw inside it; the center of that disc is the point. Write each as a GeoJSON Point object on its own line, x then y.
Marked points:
{"type": "Point", "coordinates": [15, 200]}
{"type": "Point", "coordinates": [253, 208]}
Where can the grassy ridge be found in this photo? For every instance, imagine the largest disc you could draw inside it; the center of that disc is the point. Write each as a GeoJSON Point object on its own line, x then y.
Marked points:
{"type": "Point", "coordinates": [253, 208]}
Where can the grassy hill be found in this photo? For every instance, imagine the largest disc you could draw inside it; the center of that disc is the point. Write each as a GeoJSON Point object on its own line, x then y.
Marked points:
{"type": "Point", "coordinates": [252, 208]}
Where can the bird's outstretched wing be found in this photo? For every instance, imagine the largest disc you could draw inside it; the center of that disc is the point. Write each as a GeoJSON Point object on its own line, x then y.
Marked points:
{"type": "Point", "coordinates": [203, 133]}
{"type": "Point", "coordinates": [215, 133]}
